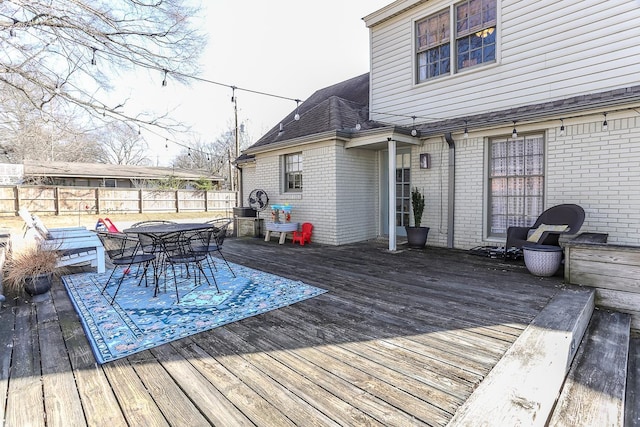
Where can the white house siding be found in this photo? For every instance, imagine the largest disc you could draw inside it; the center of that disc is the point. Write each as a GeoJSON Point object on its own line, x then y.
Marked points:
{"type": "Point", "coordinates": [548, 50]}
{"type": "Point", "coordinates": [358, 196]}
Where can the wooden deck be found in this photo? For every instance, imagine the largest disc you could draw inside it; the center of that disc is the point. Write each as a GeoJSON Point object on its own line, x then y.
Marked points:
{"type": "Point", "coordinates": [400, 339]}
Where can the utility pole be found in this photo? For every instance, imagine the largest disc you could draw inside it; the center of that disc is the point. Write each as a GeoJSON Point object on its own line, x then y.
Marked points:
{"type": "Point", "coordinates": [234, 178]}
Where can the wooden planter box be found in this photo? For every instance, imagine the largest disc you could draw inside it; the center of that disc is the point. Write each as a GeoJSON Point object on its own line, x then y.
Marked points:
{"type": "Point", "coordinates": [614, 270]}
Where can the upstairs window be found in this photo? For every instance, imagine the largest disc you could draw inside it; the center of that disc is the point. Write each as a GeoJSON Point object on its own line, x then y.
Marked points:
{"type": "Point", "coordinates": [475, 33]}
{"type": "Point", "coordinates": [293, 172]}
{"type": "Point", "coordinates": [433, 46]}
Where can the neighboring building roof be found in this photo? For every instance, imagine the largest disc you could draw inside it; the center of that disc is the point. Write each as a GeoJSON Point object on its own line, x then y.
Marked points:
{"type": "Point", "coordinates": [102, 170]}
{"type": "Point", "coordinates": [339, 107]}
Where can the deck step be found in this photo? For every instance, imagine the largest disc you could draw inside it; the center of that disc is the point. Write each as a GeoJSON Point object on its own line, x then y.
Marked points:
{"type": "Point", "coordinates": [594, 391]}
{"type": "Point", "coordinates": [523, 386]}
{"type": "Point", "coordinates": [632, 403]}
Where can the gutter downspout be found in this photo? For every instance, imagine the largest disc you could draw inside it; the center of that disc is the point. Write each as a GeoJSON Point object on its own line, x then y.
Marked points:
{"type": "Point", "coordinates": [452, 189]}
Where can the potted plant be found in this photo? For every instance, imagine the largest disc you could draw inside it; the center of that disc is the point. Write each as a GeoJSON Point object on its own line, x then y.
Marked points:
{"type": "Point", "coordinates": [417, 235]}
{"type": "Point", "coordinates": [31, 268]}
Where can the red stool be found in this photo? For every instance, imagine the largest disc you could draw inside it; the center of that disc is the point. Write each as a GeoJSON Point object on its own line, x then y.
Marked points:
{"type": "Point", "coordinates": [304, 235]}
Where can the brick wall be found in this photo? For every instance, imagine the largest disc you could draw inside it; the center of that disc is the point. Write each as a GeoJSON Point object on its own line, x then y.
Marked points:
{"type": "Point", "coordinates": [597, 170]}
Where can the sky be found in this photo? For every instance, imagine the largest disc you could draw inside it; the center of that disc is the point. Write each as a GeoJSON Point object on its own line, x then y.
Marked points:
{"type": "Point", "coordinates": [287, 48]}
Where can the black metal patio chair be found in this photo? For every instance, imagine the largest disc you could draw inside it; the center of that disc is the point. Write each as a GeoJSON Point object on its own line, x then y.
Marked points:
{"type": "Point", "coordinates": [123, 251]}
{"type": "Point", "coordinates": [185, 249]}
{"type": "Point", "coordinates": [215, 240]}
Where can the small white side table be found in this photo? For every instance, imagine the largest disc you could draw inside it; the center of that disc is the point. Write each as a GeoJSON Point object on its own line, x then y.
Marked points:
{"type": "Point", "coordinates": [280, 227]}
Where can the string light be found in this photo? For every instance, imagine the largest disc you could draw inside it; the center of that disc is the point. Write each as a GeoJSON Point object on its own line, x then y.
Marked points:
{"type": "Point", "coordinates": [466, 131]}
{"type": "Point", "coordinates": [562, 127]}
{"type": "Point", "coordinates": [414, 132]}
{"type": "Point", "coordinates": [514, 134]}
{"type": "Point", "coordinates": [93, 56]}
{"type": "Point", "coordinates": [605, 125]}
{"type": "Point", "coordinates": [296, 117]}
{"type": "Point", "coordinates": [164, 81]}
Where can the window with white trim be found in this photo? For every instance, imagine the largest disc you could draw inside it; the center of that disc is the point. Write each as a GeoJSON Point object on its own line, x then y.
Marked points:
{"type": "Point", "coordinates": [474, 32]}
{"type": "Point", "coordinates": [433, 36]}
{"type": "Point", "coordinates": [293, 172]}
{"type": "Point", "coordinates": [516, 182]}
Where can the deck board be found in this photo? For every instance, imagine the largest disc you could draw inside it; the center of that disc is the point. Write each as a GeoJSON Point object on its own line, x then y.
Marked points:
{"type": "Point", "coordinates": [400, 339]}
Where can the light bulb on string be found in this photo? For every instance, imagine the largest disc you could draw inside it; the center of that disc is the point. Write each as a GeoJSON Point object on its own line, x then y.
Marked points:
{"type": "Point", "coordinates": [465, 135]}
{"type": "Point", "coordinates": [605, 125]}
{"type": "Point", "coordinates": [93, 56]}
{"type": "Point", "coordinates": [414, 132]}
{"type": "Point", "coordinates": [189, 152]}
{"type": "Point", "coordinates": [514, 134]}
{"type": "Point", "coordinates": [296, 116]}
{"type": "Point", "coordinates": [166, 143]}
{"type": "Point", "coordinates": [562, 127]}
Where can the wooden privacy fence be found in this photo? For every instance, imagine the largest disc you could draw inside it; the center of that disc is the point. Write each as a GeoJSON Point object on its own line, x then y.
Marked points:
{"type": "Point", "coordinates": [73, 200]}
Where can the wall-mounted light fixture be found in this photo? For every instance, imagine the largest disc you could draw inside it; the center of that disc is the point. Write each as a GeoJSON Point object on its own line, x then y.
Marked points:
{"type": "Point", "coordinates": [425, 161]}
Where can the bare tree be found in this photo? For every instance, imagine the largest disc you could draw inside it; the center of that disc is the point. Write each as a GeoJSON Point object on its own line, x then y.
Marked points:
{"type": "Point", "coordinates": [25, 134]}
{"type": "Point", "coordinates": [121, 145]}
{"type": "Point", "coordinates": [215, 157]}
{"type": "Point", "coordinates": [69, 51]}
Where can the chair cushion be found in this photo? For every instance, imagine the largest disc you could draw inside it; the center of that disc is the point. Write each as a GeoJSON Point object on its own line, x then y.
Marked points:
{"type": "Point", "coordinates": [537, 233]}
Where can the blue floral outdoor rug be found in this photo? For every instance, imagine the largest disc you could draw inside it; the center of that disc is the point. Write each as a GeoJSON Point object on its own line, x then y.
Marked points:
{"type": "Point", "coordinates": [138, 321]}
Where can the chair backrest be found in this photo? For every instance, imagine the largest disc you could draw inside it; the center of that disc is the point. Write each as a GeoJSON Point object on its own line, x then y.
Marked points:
{"type": "Point", "coordinates": [569, 214]}
{"type": "Point", "coordinates": [221, 233]}
{"type": "Point", "coordinates": [118, 245]}
{"type": "Point", "coordinates": [26, 217]}
{"type": "Point", "coordinates": [39, 225]}
{"type": "Point", "coordinates": [307, 228]}
{"type": "Point", "coordinates": [219, 222]}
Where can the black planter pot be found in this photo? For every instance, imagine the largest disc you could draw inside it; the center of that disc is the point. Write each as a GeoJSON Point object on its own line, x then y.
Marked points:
{"type": "Point", "coordinates": [417, 236]}
{"type": "Point", "coordinates": [39, 285]}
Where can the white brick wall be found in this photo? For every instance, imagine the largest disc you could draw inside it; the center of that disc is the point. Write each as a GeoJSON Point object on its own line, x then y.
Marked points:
{"type": "Point", "coordinates": [340, 190]}
{"type": "Point", "coordinates": [597, 170]}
